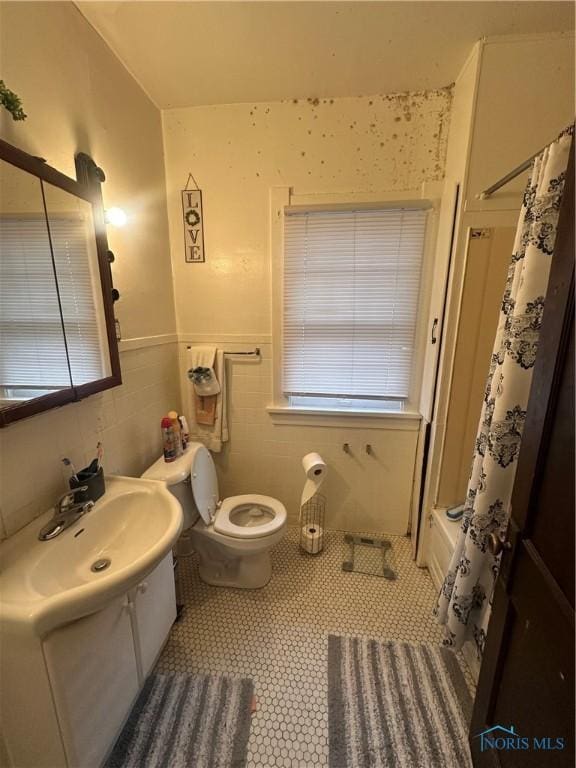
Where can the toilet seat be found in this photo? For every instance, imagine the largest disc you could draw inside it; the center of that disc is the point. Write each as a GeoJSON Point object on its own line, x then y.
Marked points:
{"type": "Point", "coordinates": [232, 538]}
{"type": "Point", "coordinates": [224, 523]}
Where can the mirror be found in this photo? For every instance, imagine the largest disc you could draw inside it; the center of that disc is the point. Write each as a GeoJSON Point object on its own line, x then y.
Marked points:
{"type": "Point", "coordinates": [33, 359]}
{"type": "Point", "coordinates": [72, 235]}
{"type": "Point", "coordinates": [57, 336]}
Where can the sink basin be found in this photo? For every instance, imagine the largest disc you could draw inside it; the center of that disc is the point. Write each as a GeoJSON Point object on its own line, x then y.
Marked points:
{"type": "Point", "coordinates": [44, 584]}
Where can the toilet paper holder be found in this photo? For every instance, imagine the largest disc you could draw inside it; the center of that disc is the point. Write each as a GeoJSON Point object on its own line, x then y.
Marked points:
{"type": "Point", "coordinates": [312, 517]}
{"type": "Point", "coordinates": [312, 504]}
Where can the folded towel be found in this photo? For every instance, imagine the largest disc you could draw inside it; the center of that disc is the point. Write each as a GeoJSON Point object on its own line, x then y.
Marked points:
{"type": "Point", "coordinates": [206, 386]}
{"type": "Point", "coordinates": [207, 415]}
{"type": "Point", "coordinates": [205, 409]}
{"type": "Point", "coordinates": [201, 372]}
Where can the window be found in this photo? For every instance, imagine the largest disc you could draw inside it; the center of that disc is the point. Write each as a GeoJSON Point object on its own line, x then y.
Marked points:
{"type": "Point", "coordinates": [351, 287]}
{"type": "Point", "coordinates": [36, 358]}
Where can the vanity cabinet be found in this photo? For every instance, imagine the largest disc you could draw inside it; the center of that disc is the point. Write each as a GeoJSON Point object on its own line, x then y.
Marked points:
{"type": "Point", "coordinates": [154, 612]}
{"type": "Point", "coordinates": [87, 675]}
{"type": "Point", "coordinates": [94, 679]}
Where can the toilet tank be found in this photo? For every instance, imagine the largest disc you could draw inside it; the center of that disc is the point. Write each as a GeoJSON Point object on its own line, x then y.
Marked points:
{"type": "Point", "coordinates": [176, 475]}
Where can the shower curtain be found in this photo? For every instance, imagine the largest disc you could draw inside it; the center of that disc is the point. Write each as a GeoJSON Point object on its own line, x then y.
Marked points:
{"type": "Point", "coordinates": [464, 602]}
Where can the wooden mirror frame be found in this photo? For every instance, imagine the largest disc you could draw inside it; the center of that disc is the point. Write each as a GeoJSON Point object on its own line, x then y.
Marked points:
{"type": "Point", "coordinates": [87, 186]}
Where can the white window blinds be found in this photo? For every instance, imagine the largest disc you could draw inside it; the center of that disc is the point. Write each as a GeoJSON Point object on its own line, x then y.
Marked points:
{"type": "Point", "coordinates": [84, 335]}
{"type": "Point", "coordinates": [351, 287]}
{"type": "Point", "coordinates": [33, 348]}
{"type": "Point", "coordinates": [34, 351]}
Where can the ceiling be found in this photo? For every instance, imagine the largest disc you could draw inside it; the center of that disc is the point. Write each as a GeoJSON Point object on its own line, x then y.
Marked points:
{"type": "Point", "coordinates": [191, 53]}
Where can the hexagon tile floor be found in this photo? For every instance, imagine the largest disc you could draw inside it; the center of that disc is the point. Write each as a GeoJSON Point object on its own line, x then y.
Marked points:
{"type": "Point", "coordinates": [278, 636]}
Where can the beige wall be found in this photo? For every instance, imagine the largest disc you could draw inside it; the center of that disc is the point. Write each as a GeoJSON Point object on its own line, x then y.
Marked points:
{"type": "Point", "coordinates": [525, 98]}
{"type": "Point", "coordinates": [463, 106]}
{"type": "Point", "coordinates": [520, 92]}
{"type": "Point", "coordinates": [237, 153]}
{"type": "Point", "coordinates": [78, 97]}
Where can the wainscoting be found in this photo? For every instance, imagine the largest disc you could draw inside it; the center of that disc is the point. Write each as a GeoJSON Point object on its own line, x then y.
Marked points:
{"type": "Point", "coordinates": [365, 490]}
{"type": "Point", "coordinates": [125, 419]}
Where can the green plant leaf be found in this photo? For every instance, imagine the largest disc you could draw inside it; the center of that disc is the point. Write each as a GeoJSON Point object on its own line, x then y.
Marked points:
{"type": "Point", "coordinates": [11, 101]}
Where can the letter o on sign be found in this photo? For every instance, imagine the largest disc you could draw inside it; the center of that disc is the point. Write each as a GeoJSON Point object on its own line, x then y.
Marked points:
{"type": "Point", "coordinates": [192, 218]}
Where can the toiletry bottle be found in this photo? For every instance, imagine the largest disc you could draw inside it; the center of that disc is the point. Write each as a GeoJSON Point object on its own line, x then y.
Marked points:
{"type": "Point", "coordinates": [185, 428]}
{"type": "Point", "coordinates": [183, 431]}
{"type": "Point", "coordinates": [168, 439]}
{"type": "Point", "coordinates": [173, 416]}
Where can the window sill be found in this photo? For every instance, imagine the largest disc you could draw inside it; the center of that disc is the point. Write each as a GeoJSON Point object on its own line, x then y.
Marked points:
{"type": "Point", "coordinates": [328, 417]}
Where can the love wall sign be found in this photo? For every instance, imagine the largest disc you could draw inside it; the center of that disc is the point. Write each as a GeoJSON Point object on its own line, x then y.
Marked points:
{"type": "Point", "coordinates": [193, 226]}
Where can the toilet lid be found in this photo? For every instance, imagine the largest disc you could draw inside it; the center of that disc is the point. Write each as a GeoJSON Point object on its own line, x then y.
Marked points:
{"type": "Point", "coordinates": [250, 516]}
{"type": "Point", "coordinates": [204, 483]}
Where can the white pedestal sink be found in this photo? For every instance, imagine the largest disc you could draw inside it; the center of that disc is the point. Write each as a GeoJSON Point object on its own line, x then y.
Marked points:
{"type": "Point", "coordinates": [77, 643]}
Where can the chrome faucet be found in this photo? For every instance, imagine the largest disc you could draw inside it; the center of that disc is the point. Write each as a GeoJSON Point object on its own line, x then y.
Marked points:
{"type": "Point", "coordinates": [66, 512]}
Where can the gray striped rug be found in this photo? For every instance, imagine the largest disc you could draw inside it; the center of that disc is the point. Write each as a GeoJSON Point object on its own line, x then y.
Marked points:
{"type": "Point", "coordinates": [180, 721]}
{"type": "Point", "coordinates": [395, 705]}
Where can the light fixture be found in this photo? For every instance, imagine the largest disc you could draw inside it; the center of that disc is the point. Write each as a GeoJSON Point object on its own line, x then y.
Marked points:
{"type": "Point", "coordinates": [116, 217]}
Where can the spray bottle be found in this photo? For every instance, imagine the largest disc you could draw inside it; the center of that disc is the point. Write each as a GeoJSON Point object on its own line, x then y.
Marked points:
{"type": "Point", "coordinates": [168, 439]}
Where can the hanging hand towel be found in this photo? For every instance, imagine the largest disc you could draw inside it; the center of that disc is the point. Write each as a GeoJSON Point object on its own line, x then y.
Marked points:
{"type": "Point", "coordinates": [206, 386]}
{"type": "Point", "coordinates": [207, 414]}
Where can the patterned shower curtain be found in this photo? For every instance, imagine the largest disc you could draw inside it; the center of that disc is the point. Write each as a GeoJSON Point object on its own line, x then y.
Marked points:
{"type": "Point", "coordinates": [464, 603]}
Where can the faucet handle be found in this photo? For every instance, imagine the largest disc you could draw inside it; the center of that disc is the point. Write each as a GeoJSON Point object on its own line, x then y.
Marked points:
{"type": "Point", "coordinates": [68, 498]}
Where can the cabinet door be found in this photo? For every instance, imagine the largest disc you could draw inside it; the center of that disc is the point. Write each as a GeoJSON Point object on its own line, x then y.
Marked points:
{"type": "Point", "coordinates": [155, 612]}
{"type": "Point", "coordinates": [92, 668]}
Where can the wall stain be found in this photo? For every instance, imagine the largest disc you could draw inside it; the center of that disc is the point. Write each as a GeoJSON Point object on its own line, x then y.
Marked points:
{"type": "Point", "coordinates": [399, 138]}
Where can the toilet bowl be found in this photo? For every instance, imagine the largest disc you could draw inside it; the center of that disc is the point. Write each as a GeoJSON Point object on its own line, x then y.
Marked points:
{"type": "Point", "coordinates": [232, 537]}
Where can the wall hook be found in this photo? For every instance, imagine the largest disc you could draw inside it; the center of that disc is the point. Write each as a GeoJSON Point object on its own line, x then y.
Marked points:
{"type": "Point", "coordinates": [368, 448]}
{"type": "Point", "coordinates": [346, 447]}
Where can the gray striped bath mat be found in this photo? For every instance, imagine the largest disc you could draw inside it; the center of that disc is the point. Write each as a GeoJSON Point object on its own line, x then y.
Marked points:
{"type": "Point", "coordinates": [395, 705]}
{"type": "Point", "coordinates": [185, 721]}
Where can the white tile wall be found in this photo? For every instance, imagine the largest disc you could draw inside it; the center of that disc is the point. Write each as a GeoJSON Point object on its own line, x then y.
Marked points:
{"type": "Point", "coordinates": [364, 492]}
{"type": "Point", "coordinates": [125, 419]}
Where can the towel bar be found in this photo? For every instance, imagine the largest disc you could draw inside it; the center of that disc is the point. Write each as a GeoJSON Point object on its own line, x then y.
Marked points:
{"type": "Point", "coordinates": [252, 353]}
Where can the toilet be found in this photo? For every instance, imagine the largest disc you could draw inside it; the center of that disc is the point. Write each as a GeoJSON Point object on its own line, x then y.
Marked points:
{"type": "Point", "coordinates": [232, 537]}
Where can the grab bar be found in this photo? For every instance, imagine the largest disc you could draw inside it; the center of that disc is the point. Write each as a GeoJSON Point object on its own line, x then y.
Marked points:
{"type": "Point", "coordinates": [252, 353]}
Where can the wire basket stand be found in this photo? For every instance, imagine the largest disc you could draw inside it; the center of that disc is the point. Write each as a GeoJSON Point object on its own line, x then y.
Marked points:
{"type": "Point", "coordinates": [312, 515]}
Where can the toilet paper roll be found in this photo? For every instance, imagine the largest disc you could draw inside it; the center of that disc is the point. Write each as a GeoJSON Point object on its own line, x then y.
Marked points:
{"type": "Point", "coordinates": [312, 538]}
{"type": "Point", "coordinates": [315, 469]}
